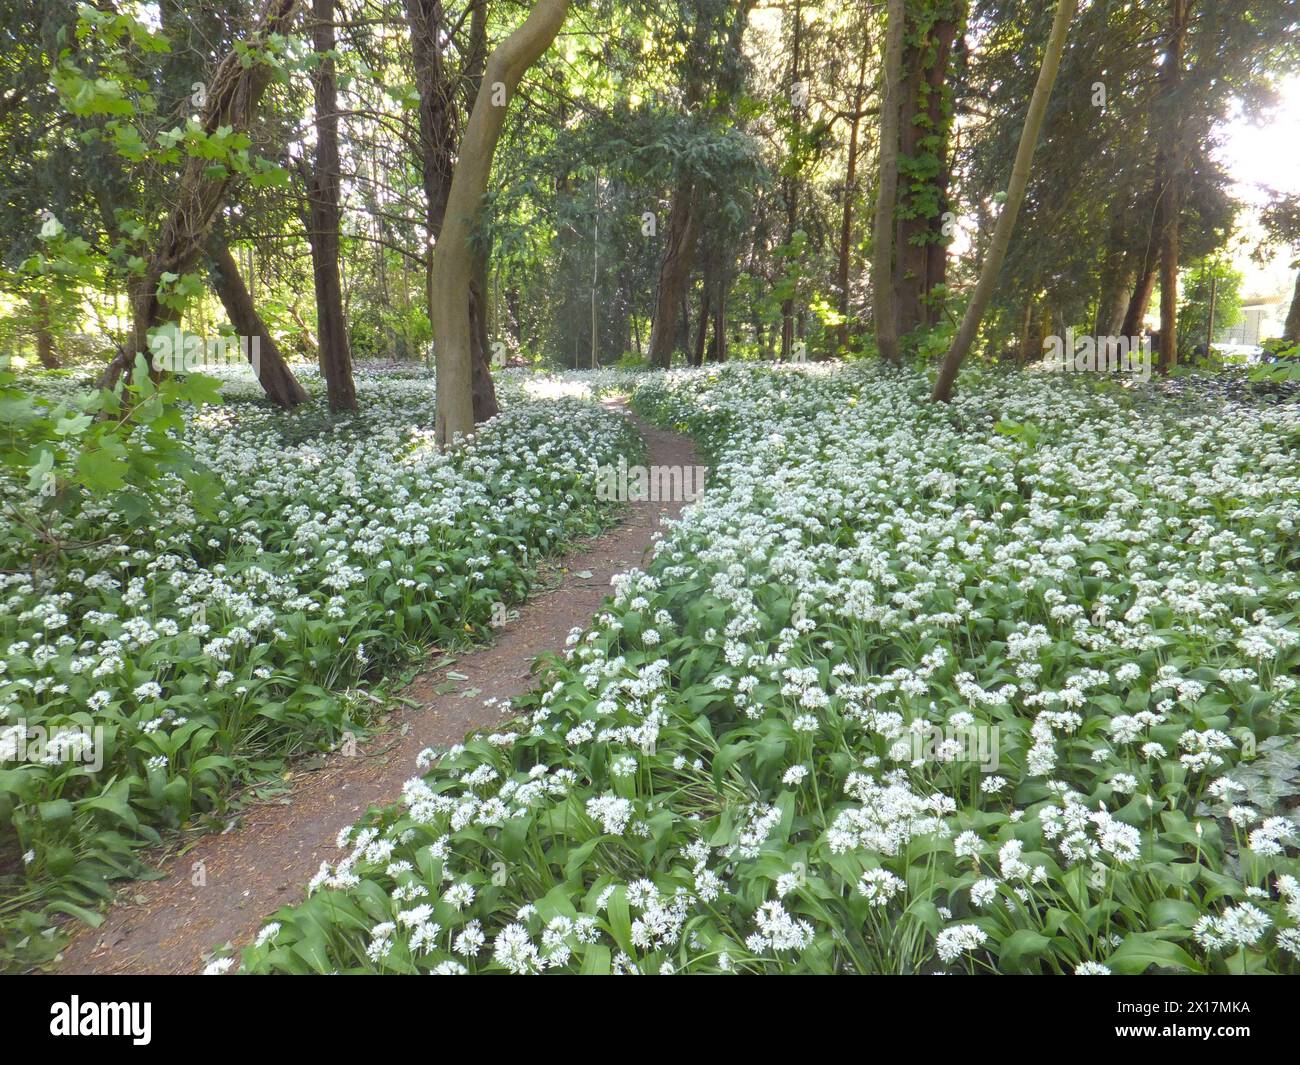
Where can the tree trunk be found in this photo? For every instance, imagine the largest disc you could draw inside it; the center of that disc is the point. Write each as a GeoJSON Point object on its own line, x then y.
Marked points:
{"type": "Point", "coordinates": [595, 272]}
{"type": "Point", "coordinates": [1110, 320]}
{"type": "Point", "coordinates": [1117, 279]}
{"type": "Point", "coordinates": [1171, 167]}
{"type": "Point", "coordinates": [235, 89]}
{"type": "Point", "coordinates": [791, 189]}
{"type": "Point", "coordinates": [909, 253]}
{"type": "Point", "coordinates": [44, 331]}
{"type": "Point", "coordinates": [718, 352]}
{"type": "Point", "coordinates": [454, 267]}
{"type": "Point", "coordinates": [1026, 350]}
{"type": "Point", "coordinates": [921, 247]}
{"type": "Point", "coordinates": [269, 367]}
{"type": "Point", "coordinates": [482, 388]}
{"type": "Point", "coordinates": [308, 337]}
{"type": "Point", "coordinates": [706, 310]}
{"type": "Point", "coordinates": [674, 272]}
{"type": "Point", "coordinates": [436, 86]}
{"type": "Point", "coordinates": [1015, 195]}
{"type": "Point", "coordinates": [427, 23]}
{"type": "Point", "coordinates": [1139, 302]}
{"type": "Point", "coordinates": [850, 191]}
{"type": "Point", "coordinates": [1291, 331]}
{"type": "Point", "coordinates": [324, 213]}
{"type": "Point", "coordinates": [1209, 318]}
{"type": "Point", "coordinates": [883, 294]}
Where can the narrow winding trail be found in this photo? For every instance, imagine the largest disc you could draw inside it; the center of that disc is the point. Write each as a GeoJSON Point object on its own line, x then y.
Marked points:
{"type": "Point", "coordinates": [265, 860]}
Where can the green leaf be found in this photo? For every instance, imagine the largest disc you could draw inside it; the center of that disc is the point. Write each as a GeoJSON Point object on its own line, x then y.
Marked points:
{"type": "Point", "coordinates": [1141, 951]}
{"type": "Point", "coordinates": [101, 471]}
{"type": "Point", "coordinates": [55, 812]}
{"type": "Point", "coordinates": [1021, 947]}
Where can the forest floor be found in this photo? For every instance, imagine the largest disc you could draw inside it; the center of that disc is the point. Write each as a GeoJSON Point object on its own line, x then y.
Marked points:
{"type": "Point", "coordinates": [170, 925]}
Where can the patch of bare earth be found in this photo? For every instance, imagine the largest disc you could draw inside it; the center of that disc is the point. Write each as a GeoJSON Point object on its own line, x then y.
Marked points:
{"type": "Point", "coordinates": [264, 860]}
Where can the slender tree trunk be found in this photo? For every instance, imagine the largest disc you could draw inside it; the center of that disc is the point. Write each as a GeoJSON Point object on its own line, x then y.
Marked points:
{"type": "Point", "coordinates": [719, 352]}
{"type": "Point", "coordinates": [308, 337]}
{"type": "Point", "coordinates": [453, 257]}
{"type": "Point", "coordinates": [44, 331]}
{"type": "Point", "coordinates": [909, 253]}
{"type": "Point", "coordinates": [884, 295]}
{"type": "Point", "coordinates": [234, 91]}
{"type": "Point", "coordinates": [850, 191]}
{"type": "Point", "coordinates": [1025, 349]}
{"type": "Point", "coordinates": [702, 329]}
{"type": "Point", "coordinates": [1291, 331]}
{"type": "Point", "coordinates": [595, 272]}
{"type": "Point", "coordinates": [482, 388]}
{"type": "Point", "coordinates": [791, 190]}
{"type": "Point", "coordinates": [324, 214]}
{"type": "Point", "coordinates": [1171, 199]}
{"type": "Point", "coordinates": [1015, 195]}
{"type": "Point", "coordinates": [1209, 318]}
{"type": "Point", "coordinates": [272, 372]}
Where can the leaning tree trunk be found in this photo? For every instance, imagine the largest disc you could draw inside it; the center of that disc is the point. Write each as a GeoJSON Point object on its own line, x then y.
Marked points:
{"type": "Point", "coordinates": [454, 267]}
{"type": "Point", "coordinates": [272, 372]}
{"type": "Point", "coordinates": [235, 90]}
{"type": "Point", "coordinates": [1139, 301]}
{"type": "Point", "coordinates": [1115, 280]}
{"type": "Point", "coordinates": [883, 295]}
{"type": "Point", "coordinates": [988, 278]}
{"type": "Point", "coordinates": [1112, 297]}
{"type": "Point", "coordinates": [324, 215]}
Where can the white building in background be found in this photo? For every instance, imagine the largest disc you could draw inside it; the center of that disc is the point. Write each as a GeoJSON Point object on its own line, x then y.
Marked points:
{"type": "Point", "coordinates": [1262, 317]}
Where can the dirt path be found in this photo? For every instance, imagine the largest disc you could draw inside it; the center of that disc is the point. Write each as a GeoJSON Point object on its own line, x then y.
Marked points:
{"type": "Point", "coordinates": [265, 860]}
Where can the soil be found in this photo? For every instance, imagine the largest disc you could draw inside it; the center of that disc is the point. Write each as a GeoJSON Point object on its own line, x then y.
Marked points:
{"type": "Point", "coordinates": [265, 857]}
